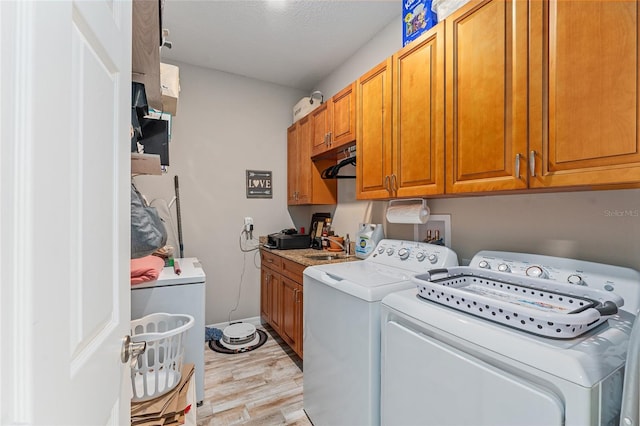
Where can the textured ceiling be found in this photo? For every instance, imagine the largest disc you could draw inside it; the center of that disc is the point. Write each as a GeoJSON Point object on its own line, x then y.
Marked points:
{"type": "Point", "coordinates": [293, 43]}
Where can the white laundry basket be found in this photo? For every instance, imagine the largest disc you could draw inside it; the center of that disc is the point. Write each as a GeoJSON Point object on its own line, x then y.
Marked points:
{"type": "Point", "coordinates": [158, 370]}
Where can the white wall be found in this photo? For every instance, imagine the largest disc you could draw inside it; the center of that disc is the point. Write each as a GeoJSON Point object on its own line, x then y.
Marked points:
{"type": "Point", "coordinates": [226, 124]}
{"type": "Point", "coordinates": [601, 226]}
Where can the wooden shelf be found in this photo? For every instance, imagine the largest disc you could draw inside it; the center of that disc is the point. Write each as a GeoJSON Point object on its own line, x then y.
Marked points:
{"type": "Point", "coordinates": [145, 164]}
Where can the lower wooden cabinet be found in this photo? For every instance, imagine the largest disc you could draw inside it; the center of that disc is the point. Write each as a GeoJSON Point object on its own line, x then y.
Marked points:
{"type": "Point", "coordinates": [281, 296]}
{"type": "Point", "coordinates": [270, 286]}
{"type": "Point", "coordinates": [291, 325]}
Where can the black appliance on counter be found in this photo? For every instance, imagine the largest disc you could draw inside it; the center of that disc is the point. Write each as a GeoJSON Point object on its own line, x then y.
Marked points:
{"type": "Point", "coordinates": [317, 224]}
{"type": "Point", "coordinates": [284, 241]}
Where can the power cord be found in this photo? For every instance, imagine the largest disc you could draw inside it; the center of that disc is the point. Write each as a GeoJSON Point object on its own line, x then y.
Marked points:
{"type": "Point", "coordinates": [244, 250]}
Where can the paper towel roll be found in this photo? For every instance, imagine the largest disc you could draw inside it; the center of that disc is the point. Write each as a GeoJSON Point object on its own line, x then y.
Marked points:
{"type": "Point", "coordinates": [408, 213]}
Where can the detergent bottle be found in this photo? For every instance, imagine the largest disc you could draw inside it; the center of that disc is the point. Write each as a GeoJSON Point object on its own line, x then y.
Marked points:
{"type": "Point", "coordinates": [367, 239]}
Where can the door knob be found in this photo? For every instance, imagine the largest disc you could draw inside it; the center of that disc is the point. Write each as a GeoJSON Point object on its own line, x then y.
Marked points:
{"type": "Point", "coordinates": [131, 350]}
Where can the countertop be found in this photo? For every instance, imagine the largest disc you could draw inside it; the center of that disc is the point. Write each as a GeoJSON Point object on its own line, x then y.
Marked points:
{"type": "Point", "coordinates": [303, 256]}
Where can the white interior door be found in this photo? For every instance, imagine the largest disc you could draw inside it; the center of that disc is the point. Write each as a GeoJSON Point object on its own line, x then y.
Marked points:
{"type": "Point", "coordinates": [65, 79]}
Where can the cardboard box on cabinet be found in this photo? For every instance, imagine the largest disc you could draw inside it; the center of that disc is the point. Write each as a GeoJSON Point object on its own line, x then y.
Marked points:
{"type": "Point", "coordinates": [170, 85]}
{"type": "Point", "coordinates": [417, 17]}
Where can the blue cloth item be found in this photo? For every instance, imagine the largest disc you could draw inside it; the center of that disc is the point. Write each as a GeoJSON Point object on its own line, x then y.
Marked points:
{"type": "Point", "coordinates": [212, 333]}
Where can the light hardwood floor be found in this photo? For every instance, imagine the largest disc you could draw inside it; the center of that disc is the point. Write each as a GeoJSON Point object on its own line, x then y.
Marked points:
{"type": "Point", "coordinates": [260, 387]}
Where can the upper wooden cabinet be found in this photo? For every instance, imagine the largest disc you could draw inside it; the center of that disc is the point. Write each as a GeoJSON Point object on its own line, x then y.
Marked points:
{"type": "Point", "coordinates": [145, 52]}
{"type": "Point", "coordinates": [298, 153]}
{"type": "Point", "coordinates": [373, 141]}
{"type": "Point", "coordinates": [584, 95]}
{"type": "Point", "coordinates": [334, 123]}
{"type": "Point", "coordinates": [486, 96]}
{"type": "Point", "coordinates": [418, 116]}
{"type": "Point", "coordinates": [304, 181]}
{"type": "Point", "coordinates": [400, 133]}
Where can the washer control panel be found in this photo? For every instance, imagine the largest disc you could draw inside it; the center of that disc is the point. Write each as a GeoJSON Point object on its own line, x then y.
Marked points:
{"type": "Point", "coordinates": [414, 256]}
{"type": "Point", "coordinates": [623, 281]}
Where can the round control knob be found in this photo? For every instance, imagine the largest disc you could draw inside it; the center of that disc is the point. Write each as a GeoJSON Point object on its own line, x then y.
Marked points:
{"type": "Point", "coordinates": [575, 279]}
{"type": "Point", "coordinates": [484, 264]}
{"type": "Point", "coordinates": [380, 249]}
{"type": "Point", "coordinates": [433, 258]}
{"type": "Point", "coordinates": [536, 272]}
{"type": "Point", "coordinates": [403, 253]}
{"type": "Point", "coordinates": [390, 251]}
{"type": "Point", "coordinates": [503, 267]}
{"type": "Point", "coordinates": [421, 256]}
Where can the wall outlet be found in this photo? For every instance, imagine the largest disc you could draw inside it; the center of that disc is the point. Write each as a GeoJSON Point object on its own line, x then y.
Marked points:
{"type": "Point", "coordinates": [248, 223]}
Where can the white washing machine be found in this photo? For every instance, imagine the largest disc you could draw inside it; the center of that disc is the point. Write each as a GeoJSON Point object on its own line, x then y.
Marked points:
{"type": "Point", "coordinates": [178, 294]}
{"type": "Point", "coordinates": [458, 353]}
{"type": "Point", "coordinates": [342, 328]}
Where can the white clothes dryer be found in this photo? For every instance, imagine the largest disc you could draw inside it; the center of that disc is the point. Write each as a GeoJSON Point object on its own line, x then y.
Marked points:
{"type": "Point", "coordinates": [182, 293]}
{"type": "Point", "coordinates": [463, 357]}
{"type": "Point", "coordinates": [342, 328]}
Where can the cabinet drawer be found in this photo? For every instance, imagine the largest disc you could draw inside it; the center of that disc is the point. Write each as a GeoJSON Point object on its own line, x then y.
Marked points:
{"type": "Point", "coordinates": [271, 260]}
{"type": "Point", "coordinates": [292, 270]}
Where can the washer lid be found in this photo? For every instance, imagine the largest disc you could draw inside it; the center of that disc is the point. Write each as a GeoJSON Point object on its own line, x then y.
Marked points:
{"type": "Point", "coordinates": [585, 360]}
{"type": "Point", "coordinates": [366, 280]}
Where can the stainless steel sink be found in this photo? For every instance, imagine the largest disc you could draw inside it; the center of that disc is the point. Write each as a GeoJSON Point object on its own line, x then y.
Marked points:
{"type": "Point", "coordinates": [327, 256]}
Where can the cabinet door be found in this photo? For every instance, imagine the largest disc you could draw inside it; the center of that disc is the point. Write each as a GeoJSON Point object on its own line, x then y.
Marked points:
{"type": "Point", "coordinates": [319, 129]}
{"type": "Point", "coordinates": [373, 142]}
{"type": "Point", "coordinates": [584, 92]}
{"type": "Point", "coordinates": [304, 176]}
{"type": "Point", "coordinates": [418, 116]}
{"type": "Point", "coordinates": [275, 306]}
{"type": "Point", "coordinates": [299, 328]}
{"type": "Point", "coordinates": [289, 297]}
{"type": "Point", "coordinates": [342, 111]}
{"type": "Point", "coordinates": [304, 163]}
{"type": "Point", "coordinates": [292, 164]}
{"type": "Point", "coordinates": [265, 276]}
{"type": "Point", "coordinates": [486, 96]}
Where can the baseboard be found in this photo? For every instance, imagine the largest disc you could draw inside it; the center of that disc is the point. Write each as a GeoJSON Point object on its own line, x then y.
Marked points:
{"type": "Point", "coordinates": [253, 320]}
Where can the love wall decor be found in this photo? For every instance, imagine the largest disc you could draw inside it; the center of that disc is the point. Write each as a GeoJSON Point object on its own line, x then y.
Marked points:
{"type": "Point", "coordinates": [259, 184]}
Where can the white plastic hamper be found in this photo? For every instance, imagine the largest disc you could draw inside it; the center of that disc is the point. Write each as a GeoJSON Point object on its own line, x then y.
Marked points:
{"type": "Point", "coordinates": [158, 370]}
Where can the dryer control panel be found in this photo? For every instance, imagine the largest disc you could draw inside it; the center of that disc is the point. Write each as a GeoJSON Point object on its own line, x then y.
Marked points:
{"type": "Point", "coordinates": [620, 280]}
{"type": "Point", "coordinates": [414, 256]}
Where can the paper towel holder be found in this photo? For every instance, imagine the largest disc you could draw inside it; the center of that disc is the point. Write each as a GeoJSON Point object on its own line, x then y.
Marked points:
{"type": "Point", "coordinates": [424, 212]}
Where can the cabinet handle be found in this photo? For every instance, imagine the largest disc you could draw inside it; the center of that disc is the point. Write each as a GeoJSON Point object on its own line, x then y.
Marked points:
{"type": "Point", "coordinates": [394, 182]}
{"type": "Point", "coordinates": [518, 166]}
{"type": "Point", "coordinates": [532, 163]}
{"type": "Point", "coordinates": [386, 183]}
{"type": "Point", "coordinates": [326, 139]}
{"type": "Point", "coordinates": [330, 137]}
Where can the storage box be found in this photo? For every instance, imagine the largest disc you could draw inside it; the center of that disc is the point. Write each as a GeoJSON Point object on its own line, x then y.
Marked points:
{"type": "Point", "coordinates": [170, 85]}
{"type": "Point", "coordinates": [304, 107]}
{"type": "Point", "coordinates": [145, 164]}
{"type": "Point", "coordinates": [417, 17]}
{"type": "Point", "coordinates": [444, 8]}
